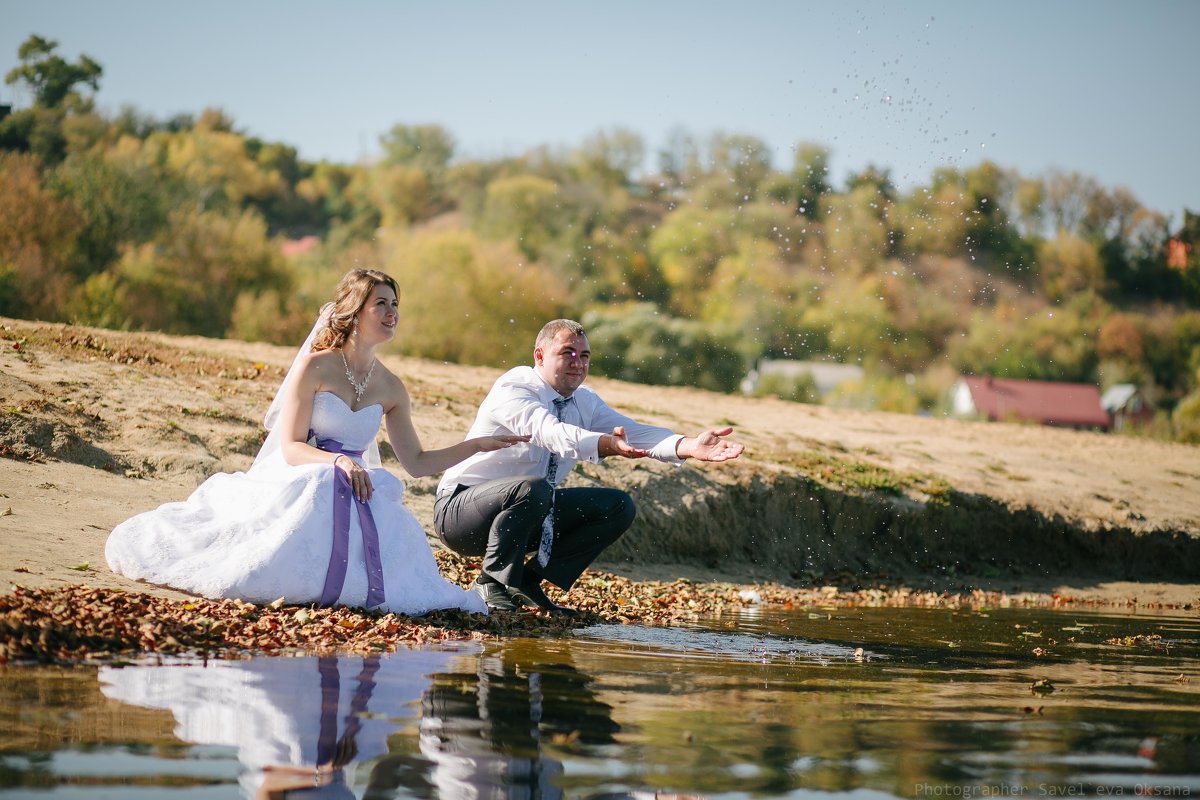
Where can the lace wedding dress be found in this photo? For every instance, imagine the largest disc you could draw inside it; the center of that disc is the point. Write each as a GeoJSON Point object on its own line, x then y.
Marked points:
{"type": "Point", "coordinates": [269, 533]}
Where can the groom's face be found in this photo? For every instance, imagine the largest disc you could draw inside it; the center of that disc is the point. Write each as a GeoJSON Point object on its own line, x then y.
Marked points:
{"type": "Point", "coordinates": [563, 362]}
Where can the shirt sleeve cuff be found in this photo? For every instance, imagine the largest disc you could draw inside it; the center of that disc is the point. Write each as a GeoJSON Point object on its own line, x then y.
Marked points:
{"type": "Point", "coordinates": [588, 448]}
{"type": "Point", "coordinates": [665, 450]}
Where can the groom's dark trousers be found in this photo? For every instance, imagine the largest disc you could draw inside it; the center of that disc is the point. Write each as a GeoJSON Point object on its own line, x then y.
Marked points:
{"type": "Point", "coordinates": [501, 520]}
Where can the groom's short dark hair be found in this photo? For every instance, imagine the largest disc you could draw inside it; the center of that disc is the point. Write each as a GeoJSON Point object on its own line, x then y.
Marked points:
{"type": "Point", "coordinates": [551, 329]}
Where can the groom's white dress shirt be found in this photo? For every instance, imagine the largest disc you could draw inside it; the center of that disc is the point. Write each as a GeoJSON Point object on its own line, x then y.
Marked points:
{"type": "Point", "coordinates": [521, 403]}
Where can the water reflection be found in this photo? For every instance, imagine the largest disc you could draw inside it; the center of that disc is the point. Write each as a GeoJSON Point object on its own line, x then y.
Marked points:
{"type": "Point", "coordinates": [341, 727]}
{"type": "Point", "coordinates": [484, 734]}
{"type": "Point", "coordinates": [938, 703]}
{"type": "Point", "coordinates": [301, 726]}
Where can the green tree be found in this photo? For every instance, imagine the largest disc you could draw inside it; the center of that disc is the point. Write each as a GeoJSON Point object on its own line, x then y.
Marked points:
{"type": "Point", "coordinates": [1185, 419]}
{"type": "Point", "coordinates": [284, 208]}
{"type": "Point", "coordinates": [119, 202]}
{"type": "Point", "coordinates": [639, 343]}
{"type": "Point", "coordinates": [757, 298]}
{"type": "Point", "coordinates": [51, 78]}
{"type": "Point", "coordinates": [615, 267]}
{"type": "Point", "coordinates": [994, 241]}
{"type": "Point", "coordinates": [53, 82]}
{"type": "Point", "coordinates": [215, 163]}
{"type": "Point", "coordinates": [679, 159]}
{"type": "Point", "coordinates": [857, 234]}
{"type": "Point", "coordinates": [525, 208]}
{"type": "Point", "coordinates": [610, 157]}
{"type": "Point", "coordinates": [686, 246]}
{"type": "Point", "coordinates": [740, 160]}
{"type": "Point", "coordinates": [429, 148]}
{"type": "Point", "coordinates": [1056, 345]}
{"type": "Point", "coordinates": [810, 172]}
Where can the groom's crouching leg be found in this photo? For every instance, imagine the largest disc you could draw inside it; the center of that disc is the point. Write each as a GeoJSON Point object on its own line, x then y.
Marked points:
{"type": "Point", "coordinates": [586, 522]}
{"type": "Point", "coordinates": [496, 520]}
{"type": "Point", "coordinates": [516, 529]}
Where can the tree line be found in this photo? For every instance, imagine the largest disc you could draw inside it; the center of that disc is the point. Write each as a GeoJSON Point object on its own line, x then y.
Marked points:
{"type": "Point", "coordinates": [690, 272]}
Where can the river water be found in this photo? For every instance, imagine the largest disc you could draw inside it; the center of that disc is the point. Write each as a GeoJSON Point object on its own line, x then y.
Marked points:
{"type": "Point", "coordinates": [771, 703]}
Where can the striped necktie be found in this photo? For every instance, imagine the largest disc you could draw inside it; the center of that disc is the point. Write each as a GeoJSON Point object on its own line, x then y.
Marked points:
{"type": "Point", "coordinates": [543, 556]}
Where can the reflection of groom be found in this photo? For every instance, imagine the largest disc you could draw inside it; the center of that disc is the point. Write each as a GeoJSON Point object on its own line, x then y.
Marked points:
{"type": "Point", "coordinates": [485, 734]}
{"type": "Point", "coordinates": [503, 505]}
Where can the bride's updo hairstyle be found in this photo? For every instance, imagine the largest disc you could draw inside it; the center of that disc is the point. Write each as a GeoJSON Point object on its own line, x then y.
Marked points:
{"type": "Point", "coordinates": [352, 293]}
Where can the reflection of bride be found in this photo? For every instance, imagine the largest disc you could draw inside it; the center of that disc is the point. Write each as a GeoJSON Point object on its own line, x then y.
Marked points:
{"type": "Point", "coordinates": [297, 723]}
{"type": "Point", "coordinates": [316, 518]}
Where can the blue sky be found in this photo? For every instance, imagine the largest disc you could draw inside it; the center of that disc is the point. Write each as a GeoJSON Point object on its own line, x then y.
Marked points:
{"type": "Point", "coordinates": [1107, 89]}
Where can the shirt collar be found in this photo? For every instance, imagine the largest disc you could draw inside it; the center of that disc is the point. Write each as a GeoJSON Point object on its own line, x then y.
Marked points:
{"type": "Point", "coordinates": [549, 392]}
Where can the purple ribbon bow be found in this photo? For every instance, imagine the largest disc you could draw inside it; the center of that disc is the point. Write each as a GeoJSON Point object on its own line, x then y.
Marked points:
{"type": "Point", "coordinates": [343, 498]}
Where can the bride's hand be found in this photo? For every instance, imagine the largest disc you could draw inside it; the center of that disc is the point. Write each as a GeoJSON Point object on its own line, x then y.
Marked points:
{"type": "Point", "coordinates": [486, 444]}
{"type": "Point", "coordinates": [360, 479]}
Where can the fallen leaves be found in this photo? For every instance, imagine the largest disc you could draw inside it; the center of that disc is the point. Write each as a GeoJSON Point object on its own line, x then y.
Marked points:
{"type": "Point", "coordinates": [1147, 639]}
{"type": "Point", "coordinates": [75, 623]}
{"type": "Point", "coordinates": [1043, 687]}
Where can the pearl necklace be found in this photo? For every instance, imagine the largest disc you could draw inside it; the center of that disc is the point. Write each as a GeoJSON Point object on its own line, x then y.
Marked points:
{"type": "Point", "coordinates": [359, 388]}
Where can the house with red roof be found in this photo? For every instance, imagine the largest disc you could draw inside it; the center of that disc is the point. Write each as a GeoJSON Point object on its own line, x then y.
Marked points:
{"type": "Point", "coordinates": [1069, 405]}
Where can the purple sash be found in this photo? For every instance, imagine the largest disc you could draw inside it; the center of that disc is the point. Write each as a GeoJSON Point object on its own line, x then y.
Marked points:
{"type": "Point", "coordinates": [343, 498]}
{"type": "Point", "coordinates": [331, 690]}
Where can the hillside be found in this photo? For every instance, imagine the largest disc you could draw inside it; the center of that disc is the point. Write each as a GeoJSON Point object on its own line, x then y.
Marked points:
{"type": "Point", "coordinates": [97, 425]}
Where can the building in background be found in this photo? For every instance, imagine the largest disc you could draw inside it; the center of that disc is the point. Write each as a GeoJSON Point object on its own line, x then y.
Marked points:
{"type": "Point", "coordinates": [1068, 405]}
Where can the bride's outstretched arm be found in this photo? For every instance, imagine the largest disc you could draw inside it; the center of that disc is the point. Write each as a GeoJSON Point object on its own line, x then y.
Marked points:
{"type": "Point", "coordinates": [418, 461]}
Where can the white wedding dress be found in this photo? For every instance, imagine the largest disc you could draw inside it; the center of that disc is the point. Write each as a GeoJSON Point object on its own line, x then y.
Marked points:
{"type": "Point", "coordinates": [268, 532]}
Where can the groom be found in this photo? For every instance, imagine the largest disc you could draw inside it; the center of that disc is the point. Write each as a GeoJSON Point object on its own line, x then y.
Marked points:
{"type": "Point", "coordinates": [503, 505]}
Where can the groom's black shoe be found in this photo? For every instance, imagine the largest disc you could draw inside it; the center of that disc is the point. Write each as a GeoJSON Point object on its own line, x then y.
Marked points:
{"type": "Point", "coordinates": [532, 596]}
{"type": "Point", "coordinates": [495, 595]}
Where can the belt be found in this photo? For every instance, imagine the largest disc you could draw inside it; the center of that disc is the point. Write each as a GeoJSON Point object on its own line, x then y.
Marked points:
{"type": "Point", "coordinates": [448, 491]}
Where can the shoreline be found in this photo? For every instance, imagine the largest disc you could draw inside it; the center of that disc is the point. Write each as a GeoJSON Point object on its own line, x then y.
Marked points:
{"type": "Point", "coordinates": [80, 623]}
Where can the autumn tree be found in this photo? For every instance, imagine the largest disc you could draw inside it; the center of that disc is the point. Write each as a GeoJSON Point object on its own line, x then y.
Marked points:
{"type": "Point", "coordinates": [468, 300]}
{"type": "Point", "coordinates": [38, 231]}
{"type": "Point", "coordinates": [189, 278]}
{"type": "Point", "coordinates": [1068, 264]}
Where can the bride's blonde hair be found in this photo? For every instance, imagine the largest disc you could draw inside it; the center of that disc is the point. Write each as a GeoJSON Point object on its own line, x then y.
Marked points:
{"type": "Point", "coordinates": [352, 293]}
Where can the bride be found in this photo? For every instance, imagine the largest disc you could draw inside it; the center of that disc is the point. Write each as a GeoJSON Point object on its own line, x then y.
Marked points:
{"type": "Point", "coordinates": [316, 519]}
